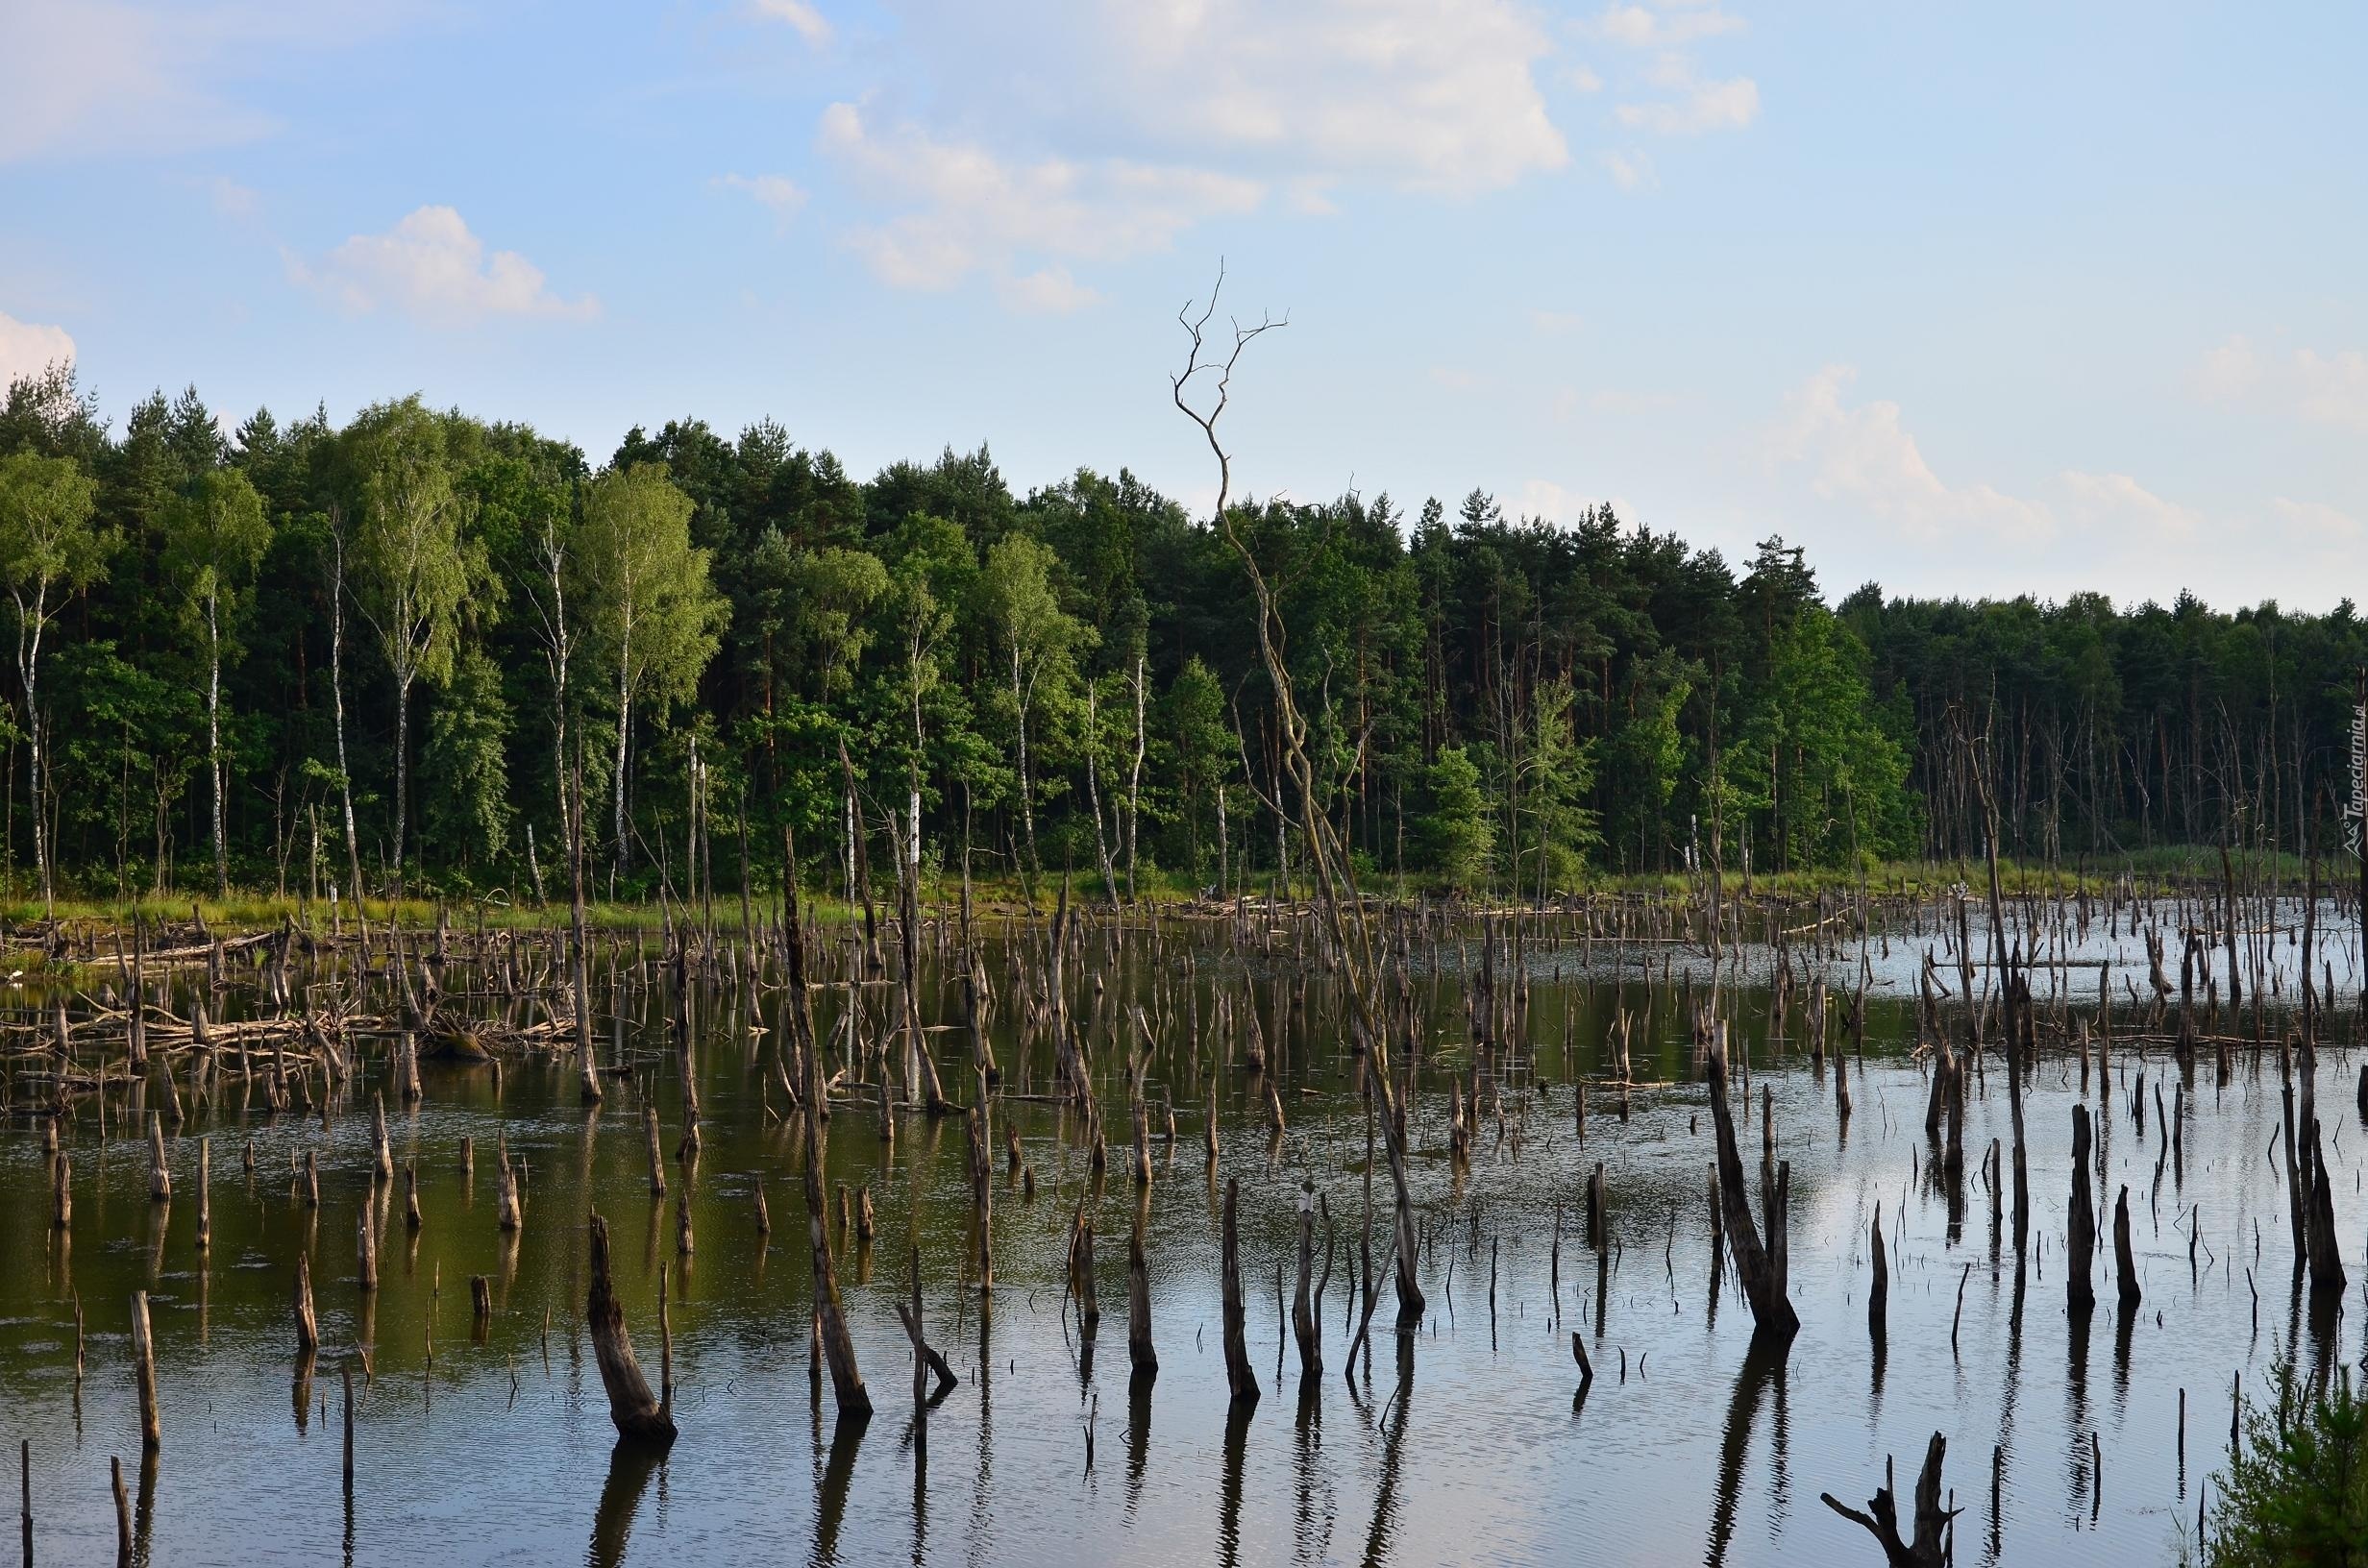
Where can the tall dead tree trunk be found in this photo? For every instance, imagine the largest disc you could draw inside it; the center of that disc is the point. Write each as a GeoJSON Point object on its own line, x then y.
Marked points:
{"type": "Point", "coordinates": [1761, 1267]}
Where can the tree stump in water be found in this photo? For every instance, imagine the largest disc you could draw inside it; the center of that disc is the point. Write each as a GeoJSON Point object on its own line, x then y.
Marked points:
{"type": "Point", "coordinates": [1927, 1548]}
{"type": "Point", "coordinates": [2080, 1232]}
{"type": "Point", "coordinates": [1760, 1267]}
{"type": "Point", "coordinates": [638, 1415]}
{"type": "Point", "coordinates": [1239, 1377]}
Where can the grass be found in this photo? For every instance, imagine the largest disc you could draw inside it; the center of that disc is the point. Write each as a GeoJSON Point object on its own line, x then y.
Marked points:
{"type": "Point", "coordinates": [996, 896]}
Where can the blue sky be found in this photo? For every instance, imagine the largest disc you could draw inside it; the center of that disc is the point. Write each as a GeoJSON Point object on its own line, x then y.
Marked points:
{"type": "Point", "coordinates": [1967, 299]}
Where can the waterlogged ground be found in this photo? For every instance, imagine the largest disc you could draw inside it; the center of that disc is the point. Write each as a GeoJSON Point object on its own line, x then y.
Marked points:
{"type": "Point", "coordinates": [1460, 1442]}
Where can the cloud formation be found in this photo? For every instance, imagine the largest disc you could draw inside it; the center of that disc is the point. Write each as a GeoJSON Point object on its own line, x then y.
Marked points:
{"type": "Point", "coordinates": [969, 210]}
{"type": "Point", "coordinates": [1882, 507]}
{"type": "Point", "coordinates": [86, 77]}
{"type": "Point", "coordinates": [2307, 385]}
{"type": "Point", "coordinates": [27, 349]}
{"type": "Point", "coordinates": [799, 16]}
{"type": "Point", "coordinates": [777, 193]}
{"type": "Point", "coordinates": [1125, 124]}
{"type": "Point", "coordinates": [431, 268]}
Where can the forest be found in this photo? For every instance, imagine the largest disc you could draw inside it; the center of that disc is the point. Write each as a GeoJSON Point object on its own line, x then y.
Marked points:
{"type": "Point", "coordinates": [289, 657]}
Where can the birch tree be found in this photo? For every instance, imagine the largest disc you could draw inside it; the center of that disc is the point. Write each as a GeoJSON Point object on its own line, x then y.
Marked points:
{"type": "Point", "coordinates": [216, 536]}
{"type": "Point", "coordinates": [1039, 638]}
{"type": "Point", "coordinates": [414, 565]}
{"type": "Point", "coordinates": [647, 601]}
{"type": "Point", "coordinates": [49, 552]}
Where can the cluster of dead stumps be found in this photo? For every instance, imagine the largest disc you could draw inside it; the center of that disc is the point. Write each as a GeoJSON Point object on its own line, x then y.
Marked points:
{"type": "Point", "coordinates": [279, 1018]}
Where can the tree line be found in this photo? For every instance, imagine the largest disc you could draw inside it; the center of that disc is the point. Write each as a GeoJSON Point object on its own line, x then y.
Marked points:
{"type": "Point", "coordinates": [428, 652]}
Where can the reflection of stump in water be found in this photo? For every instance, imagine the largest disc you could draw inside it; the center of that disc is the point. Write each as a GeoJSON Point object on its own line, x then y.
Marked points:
{"type": "Point", "coordinates": [631, 1465]}
{"type": "Point", "coordinates": [1138, 1439]}
{"type": "Point", "coordinates": [838, 1473]}
{"type": "Point", "coordinates": [1764, 1364]}
{"type": "Point", "coordinates": [1378, 1537]}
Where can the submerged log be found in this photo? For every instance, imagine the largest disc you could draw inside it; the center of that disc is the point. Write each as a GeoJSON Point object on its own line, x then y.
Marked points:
{"type": "Point", "coordinates": [637, 1412]}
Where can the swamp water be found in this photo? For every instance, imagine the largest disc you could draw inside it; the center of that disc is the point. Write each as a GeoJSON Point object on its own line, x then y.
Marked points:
{"type": "Point", "coordinates": [1462, 1441]}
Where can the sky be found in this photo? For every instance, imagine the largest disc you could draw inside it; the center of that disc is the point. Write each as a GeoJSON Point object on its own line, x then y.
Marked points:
{"type": "Point", "coordinates": [1966, 299]}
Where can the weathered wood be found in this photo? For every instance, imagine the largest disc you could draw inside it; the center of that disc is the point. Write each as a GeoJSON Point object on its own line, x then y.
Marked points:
{"type": "Point", "coordinates": [145, 1372]}
{"type": "Point", "coordinates": [1928, 1547]}
{"type": "Point", "coordinates": [2327, 1274]}
{"type": "Point", "coordinates": [159, 1174]}
{"type": "Point", "coordinates": [1760, 1267]}
{"type": "Point", "coordinates": [1240, 1378]}
{"type": "Point", "coordinates": [2081, 1231]}
{"type": "Point", "coordinates": [2125, 1265]}
{"type": "Point", "coordinates": [1304, 1329]}
{"type": "Point", "coordinates": [308, 1326]}
{"type": "Point", "coordinates": [638, 1415]}
{"type": "Point", "coordinates": [1879, 1292]}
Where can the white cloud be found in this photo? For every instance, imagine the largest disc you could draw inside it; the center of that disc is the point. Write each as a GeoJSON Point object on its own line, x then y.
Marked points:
{"type": "Point", "coordinates": [1629, 170]}
{"type": "Point", "coordinates": [1555, 321]}
{"type": "Point", "coordinates": [1583, 79]}
{"type": "Point", "coordinates": [1454, 378]}
{"type": "Point", "coordinates": [431, 266]}
{"type": "Point", "coordinates": [2316, 521]}
{"type": "Point", "coordinates": [231, 199]}
{"type": "Point", "coordinates": [778, 193]}
{"type": "Point", "coordinates": [1434, 95]}
{"type": "Point", "coordinates": [1045, 291]}
{"type": "Point", "coordinates": [27, 349]}
{"type": "Point", "coordinates": [1085, 131]}
{"type": "Point", "coordinates": [1682, 100]}
{"type": "Point", "coordinates": [1615, 401]}
{"type": "Point", "coordinates": [1700, 104]}
{"type": "Point", "coordinates": [2229, 370]}
{"type": "Point", "coordinates": [1864, 455]}
{"type": "Point", "coordinates": [2317, 388]}
{"type": "Point", "coordinates": [970, 211]}
{"type": "Point", "coordinates": [1877, 505]}
{"type": "Point", "coordinates": [2334, 388]}
{"type": "Point", "coordinates": [1664, 26]}
{"type": "Point", "coordinates": [2118, 502]}
{"type": "Point", "coordinates": [801, 17]}
{"type": "Point", "coordinates": [83, 77]}
{"type": "Point", "coordinates": [1553, 502]}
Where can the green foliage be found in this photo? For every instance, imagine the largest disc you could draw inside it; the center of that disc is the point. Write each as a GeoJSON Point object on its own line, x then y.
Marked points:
{"type": "Point", "coordinates": [412, 564]}
{"type": "Point", "coordinates": [1483, 694]}
{"type": "Point", "coordinates": [1458, 838]}
{"type": "Point", "coordinates": [464, 767]}
{"type": "Point", "coordinates": [648, 605]}
{"type": "Point", "coordinates": [49, 545]}
{"type": "Point", "coordinates": [2296, 1490]}
{"type": "Point", "coordinates": [1813, 756]}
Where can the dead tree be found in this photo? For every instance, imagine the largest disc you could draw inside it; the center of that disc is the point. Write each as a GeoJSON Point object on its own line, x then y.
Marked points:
{"type": "Point", "coordinates": [1928, 1548]}
{"type": "Point", "coordinates": [1337, 897]}
{"type": "Point", "coordinates": [1239, 1377]}
{"type": "Point", "coordinates": [640, 1416]}
{"type": "Point", "coordinates": [2081, 1232]}
{"type": "Point", "coordinates": [1760, 1267]}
